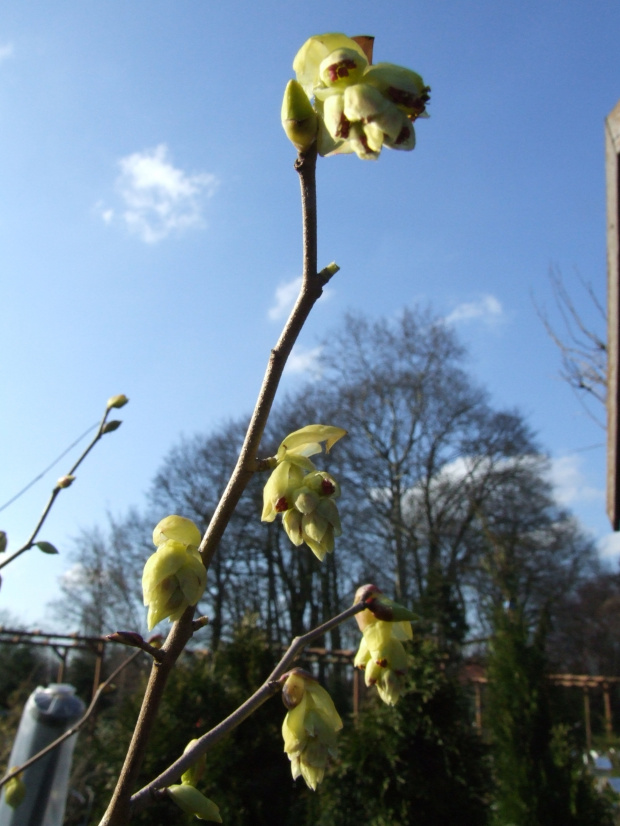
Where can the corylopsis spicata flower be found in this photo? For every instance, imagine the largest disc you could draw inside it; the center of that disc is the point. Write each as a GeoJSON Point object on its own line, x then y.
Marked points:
{"type": "Point", "coordinates": [302, 494]}
{"type": "Point", "coordinates": [381, 654]}
{"type": "Point", "coordinates": [361, 107]}
{"type": "Point", "coordinates": [174, 576]}
{"type": "Point", "coordinates": [310, 726]}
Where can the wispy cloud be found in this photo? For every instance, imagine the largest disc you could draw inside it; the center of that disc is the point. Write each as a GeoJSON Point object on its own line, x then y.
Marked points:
{"type": "Point", "coordinates": [569, 482]}
{"type": "Point", "coordinates": [158, 198]}
{"type": "Point", "coordinates": [609, 546]}
{"type": "Point", "coordinates": [284, 298]}
{"type": "Point", "coordinates": [487, 309]}
{"type": "Point", "coordinates": [6, 51]}
{"type": "Point", "coordinates": [305, 361]}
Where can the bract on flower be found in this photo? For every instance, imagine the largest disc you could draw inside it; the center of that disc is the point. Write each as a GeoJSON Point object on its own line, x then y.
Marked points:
{"type": "Point", "coordinates": [178, 528]}
{"type": "Point", "coordinates": [173, 578]}
{"type": "Point", "coordinates": [361, 107]}
{"type": "Point", "coordinates": [381, 654]}
{"type": "Point", "coordinates": [309, 728]}
{"type": "Point", "coordinates": [299, 120]}
{"type": "Point", "coordinates": [303, 495]}
{"type": "Point", "coordinates": [193, 802]}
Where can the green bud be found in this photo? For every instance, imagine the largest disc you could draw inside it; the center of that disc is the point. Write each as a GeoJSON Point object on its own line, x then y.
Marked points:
{"type": "Point", "coordinates": [111, 426]}
{"type": "Point", "coordinates": [194, 803]}
{"type": "Point", "coordinates": [196, 770]}
{"type": "Point", "coordinates": [15, 791]}
{"type": "Point", "coordinates": [3, 541]}
{"type": "Point", "coordinates": [299, 119]}
{"type": "Point", "coordinates": [116, 401]}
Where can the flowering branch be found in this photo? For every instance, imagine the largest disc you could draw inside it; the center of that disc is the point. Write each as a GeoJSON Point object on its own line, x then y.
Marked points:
{"type": "Point", "coordinates": [149, 794]}
{"type": "Point", "coordinates": [118, 812]}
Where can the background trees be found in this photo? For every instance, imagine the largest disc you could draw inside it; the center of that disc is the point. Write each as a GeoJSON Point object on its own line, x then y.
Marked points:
{"type": "Point", "coordinates": [446, 503]}
{"type": "Point", "coordinates": [440, 492]}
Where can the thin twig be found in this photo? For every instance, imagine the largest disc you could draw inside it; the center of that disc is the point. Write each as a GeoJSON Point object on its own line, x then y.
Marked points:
{"type": "Point", "coordinates": [74, 729]}
{"type": "Point", "coordinates": [147, 795]}
{"type": "Point", "coordinates": [30, 542]}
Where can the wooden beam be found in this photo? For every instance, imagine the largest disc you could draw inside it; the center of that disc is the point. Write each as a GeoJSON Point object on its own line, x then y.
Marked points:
{"type": "Point", "coordinates": [612, 174]}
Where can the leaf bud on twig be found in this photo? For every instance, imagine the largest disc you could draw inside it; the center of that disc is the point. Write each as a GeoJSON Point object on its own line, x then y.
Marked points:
{"type": "Point", "coordinates": [116, 401]}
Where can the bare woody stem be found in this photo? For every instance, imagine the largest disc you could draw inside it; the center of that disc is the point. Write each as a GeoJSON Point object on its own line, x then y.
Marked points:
{"type": "Point", "coordinates": [148, 795]}
{"type": "Point", "coordinates": [119, 810]}
{"type": "Point", "coordinates": [50, 502]}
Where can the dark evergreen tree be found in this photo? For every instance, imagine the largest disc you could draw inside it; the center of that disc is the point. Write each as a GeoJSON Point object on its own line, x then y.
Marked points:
{"type": "Point", "coordinates": [419, 762]}
{"type": "Point", "coordinates": [540, 779]}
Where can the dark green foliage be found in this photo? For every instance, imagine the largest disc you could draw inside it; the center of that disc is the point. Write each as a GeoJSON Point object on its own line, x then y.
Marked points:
{"type": "Point", "coordinates": [539, 775]}
{"type": "Point", "coordinates": [418, 762]}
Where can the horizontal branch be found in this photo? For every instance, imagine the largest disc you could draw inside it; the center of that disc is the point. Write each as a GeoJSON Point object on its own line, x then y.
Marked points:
{"type": "Point", "coordinates": [74, 729]}
{"type": "Point", "coordinates": [148, 795]}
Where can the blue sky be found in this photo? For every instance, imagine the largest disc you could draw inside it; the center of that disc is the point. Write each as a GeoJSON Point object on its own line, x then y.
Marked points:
{"type": "Point", "coordinates": [149, 225]}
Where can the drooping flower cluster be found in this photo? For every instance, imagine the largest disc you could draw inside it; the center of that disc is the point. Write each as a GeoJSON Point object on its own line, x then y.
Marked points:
{"type": "Point", "coordinates": [174, 576]}
{"type": "Point", "coordinates": [188, 798]}
{"type": "Point", "coordinates": [360, 107]}
{"type": "Point", "coordinates": [301, 493]}
{"type": "Point", "coordinates": [310, 726]}
{"type": "Point", "coordinates": [385, 625]}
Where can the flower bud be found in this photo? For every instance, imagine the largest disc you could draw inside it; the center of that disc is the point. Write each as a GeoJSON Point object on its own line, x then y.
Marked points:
{"type": "Point", "coordinates": [299, 120]}
{"type": "Point", "coordinates": [116, 401]}
{"type": "Point", "coordinates": [65, 481]}
{"type": "Point", "coordinates": [3, 541]}
{"type": "Point", "coordinates": [194, 803]}
{"type": "Point", "coordinates": [173, 579]}
{"type": "Point", "coordinates": [193, 775]}
{"type": "Point", "coordinates": [15, 791]}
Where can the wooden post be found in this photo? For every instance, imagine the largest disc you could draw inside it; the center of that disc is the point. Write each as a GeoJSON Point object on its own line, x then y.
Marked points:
{"type": "Point", "coordinates": [586, 711]}
{"type": "Point", "coordinates": [478, 700]}
{"type": "Point", "coordinates": [612, 167]}
{"type": "Point", "coordinates": [607, 703]}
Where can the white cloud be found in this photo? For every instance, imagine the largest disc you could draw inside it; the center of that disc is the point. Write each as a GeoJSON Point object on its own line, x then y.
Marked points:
{"type": "Point", "coordinates": [609, 546]}
{"type": "Point", "coordinates": [487, 309]}
{"type": "Point", "coordinates": [305, 361]}
{"type": "Point", "coordinates": [158, 198]}
{"type": "Point", "coordinates": [569, 482]}
{"type": "Point", "coordinates": [6, 51]}
{"type": "Point", "coordinates": [285, 296]}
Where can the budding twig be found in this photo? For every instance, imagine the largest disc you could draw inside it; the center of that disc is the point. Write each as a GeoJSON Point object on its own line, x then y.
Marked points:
{"type": "Point", "coordinates": [119, 810]}
{"type": "Point", "coordinates": [66, 480]}
{"type": "Point", "coordinates": [147, 795]}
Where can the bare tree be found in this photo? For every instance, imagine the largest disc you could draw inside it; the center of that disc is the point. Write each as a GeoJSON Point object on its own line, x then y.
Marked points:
{"type": "Point", "coordinates": [582, 346]}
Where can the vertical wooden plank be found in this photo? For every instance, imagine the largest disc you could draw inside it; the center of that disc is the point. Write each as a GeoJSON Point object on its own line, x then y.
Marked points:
{"type": "Point", "coordinates": [612, 166]}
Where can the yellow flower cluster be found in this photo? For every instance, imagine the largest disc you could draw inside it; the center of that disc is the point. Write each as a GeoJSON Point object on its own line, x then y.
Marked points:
{"type": "Point", "coordinates": [360, 107]}
{"type": "Point", "coordinates": [310, 726]}
{"type": "Point", "coordinates": [302, 494]}
{"type": "Point", "coordinates": [385, 625]}
{"type": "Point", "coordinates": [174, 576]}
